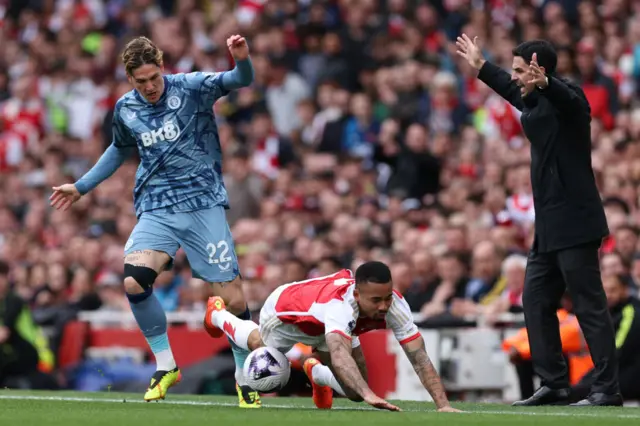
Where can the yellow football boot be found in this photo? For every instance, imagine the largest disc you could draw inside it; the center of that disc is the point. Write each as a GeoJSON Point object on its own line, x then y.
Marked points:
{"type": "Point", "coordinates": [248, 398]}
{"type": "Point", "coordinates": [160, 384]}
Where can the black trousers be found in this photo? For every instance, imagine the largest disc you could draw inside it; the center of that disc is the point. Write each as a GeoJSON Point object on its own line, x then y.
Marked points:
{"type": "Point", "coordinates": [525, 373]}
{"type": "Point", "coordinates": [524, 370]}
{"type": "Point", "coordinates": [23, 361]}
{"type": "Point", "coordinates": [629, 384]}
{"type": "Point", "coordinates": [576, 269]}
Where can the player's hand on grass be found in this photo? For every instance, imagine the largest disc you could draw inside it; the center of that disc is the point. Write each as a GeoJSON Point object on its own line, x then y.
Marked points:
{"type": "Point", "coordinates": [238, 47]}
{"type": "Point", "coordinates": [64, 196]}
{"type": "Point", "coordinates": [449, 409]}
{"type": "Point", "coordinates": [470, 51]}
{"type": "Point", "coordinates": [377, 402]}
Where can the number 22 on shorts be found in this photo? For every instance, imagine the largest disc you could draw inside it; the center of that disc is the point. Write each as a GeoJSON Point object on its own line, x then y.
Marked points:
{"type": "Point", "coordinates": [223, 261]}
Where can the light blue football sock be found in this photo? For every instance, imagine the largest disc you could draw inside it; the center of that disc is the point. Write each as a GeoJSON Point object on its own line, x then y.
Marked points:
{"type": "Point", "coordinates": [152, 321]}
{"type": "Point", "coordinates": [240, 355]}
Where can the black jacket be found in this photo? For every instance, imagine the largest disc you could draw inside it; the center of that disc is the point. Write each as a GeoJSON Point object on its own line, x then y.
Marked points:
{"type": "Point", "coordinates": [557, 122]}
{"type": "Point", "coordinates": [17, 352]}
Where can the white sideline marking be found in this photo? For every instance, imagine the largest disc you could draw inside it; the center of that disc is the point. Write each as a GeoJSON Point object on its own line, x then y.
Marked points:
{"type": "Point", "coordinates": [578, 411]}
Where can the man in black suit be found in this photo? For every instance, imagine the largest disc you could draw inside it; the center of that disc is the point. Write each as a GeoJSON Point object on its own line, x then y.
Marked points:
{"type": "Point", "coordinates": [570, 222]}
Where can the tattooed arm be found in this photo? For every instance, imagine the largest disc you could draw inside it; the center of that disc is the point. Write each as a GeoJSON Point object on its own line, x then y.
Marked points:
{"type": "Point", "coordinates": [345, 366]}
{"type": "Point", "coordinates": [347, 373]}
{"type": "Point", "coordinates": [358, 356]}
{"type": "Point", "coordinates": [427, 373]}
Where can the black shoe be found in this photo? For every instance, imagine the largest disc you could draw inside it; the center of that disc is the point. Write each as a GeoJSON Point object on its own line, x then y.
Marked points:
{"type": "Point", "coordinates": [600, 400]}
{"type": "Point", "coordinates": [546, 396]}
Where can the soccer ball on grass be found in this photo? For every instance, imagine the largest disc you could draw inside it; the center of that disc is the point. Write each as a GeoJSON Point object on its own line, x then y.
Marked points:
{"type": "Point", "coordinates": [267, 370]}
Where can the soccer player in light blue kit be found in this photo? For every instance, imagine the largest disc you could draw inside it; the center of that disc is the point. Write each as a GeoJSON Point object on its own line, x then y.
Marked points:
{"type": "Point", "coordinates": [179, 196]}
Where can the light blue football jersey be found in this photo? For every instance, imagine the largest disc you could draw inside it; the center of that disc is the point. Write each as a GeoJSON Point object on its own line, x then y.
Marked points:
{"type": "Point", "coordinates": [177, 139]}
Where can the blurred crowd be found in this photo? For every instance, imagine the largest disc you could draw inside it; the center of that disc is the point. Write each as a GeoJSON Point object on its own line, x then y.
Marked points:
{"type": "Point", "coordinates": [363, 137]}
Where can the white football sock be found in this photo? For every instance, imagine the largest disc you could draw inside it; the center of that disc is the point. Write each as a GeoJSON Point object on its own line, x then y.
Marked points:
{"type": "Point", "coordinates": [239, 358]}
{"type": "Point", "coordinates": [323, 376]}
{"type": "Point", "coordinates": [165, 361]}
{"type": "Point", "coordinates": [235, 328]}
{"type": "Point", "coordinates": [240, 380]}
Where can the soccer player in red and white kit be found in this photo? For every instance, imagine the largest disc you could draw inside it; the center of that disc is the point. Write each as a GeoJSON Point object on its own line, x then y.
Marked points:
{"type": "Point", "coordinates": [329, 313]}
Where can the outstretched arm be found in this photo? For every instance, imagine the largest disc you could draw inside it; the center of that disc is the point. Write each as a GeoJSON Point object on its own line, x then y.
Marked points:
{"type": "Point", "coordinates": [108, 163]}
{"type": "Point", "coordinates": [500, 82]}
{"type": "Point", "coordinates": [492, 75]}
{"type": "Point", "coordinates": [417, 354]}
{"type": "Point", "coordinates": [358, 356]}
{"type": "Point", "coordinates": [345, 366]}
{"type": "Point", "coordinates": [242, 75]}
{"type": "Point", "coordinates": [122, 146]}
{"type": "Point", "coordinates": [339, 323]}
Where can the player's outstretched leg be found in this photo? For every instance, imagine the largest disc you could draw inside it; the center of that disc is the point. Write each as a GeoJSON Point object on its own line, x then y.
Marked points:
{"type": "Point", "coordinates": [322, 391]}
{"type": "Point", "coordinates": [152, 321]}
{"type": "Point", "coordinates": [243, 336]}
{"type": "Point", "coordinates": [218, 321]}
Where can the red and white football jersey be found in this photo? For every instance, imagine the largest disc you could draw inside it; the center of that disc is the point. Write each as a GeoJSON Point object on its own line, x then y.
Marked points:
{"type": "Point", "coordinates": [326, 305]}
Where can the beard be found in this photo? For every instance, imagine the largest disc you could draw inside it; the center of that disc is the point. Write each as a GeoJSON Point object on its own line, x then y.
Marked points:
{"type": "Point", "coordinates": [525, 89]}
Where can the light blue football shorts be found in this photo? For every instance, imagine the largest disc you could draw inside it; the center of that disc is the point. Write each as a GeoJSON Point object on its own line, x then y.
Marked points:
{"type": "Point", "coordinates": [203, 234]}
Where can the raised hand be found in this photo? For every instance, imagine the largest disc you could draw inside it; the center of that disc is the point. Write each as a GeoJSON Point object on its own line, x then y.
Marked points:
{"type": "Point", "coordinates": [64, 196]}
{"type": "Point", "coordinates": [238, 47]}
{"type": "Point", "coordinates": [537, 74]}
{"type": "Point", "coordinates": [470, 51]}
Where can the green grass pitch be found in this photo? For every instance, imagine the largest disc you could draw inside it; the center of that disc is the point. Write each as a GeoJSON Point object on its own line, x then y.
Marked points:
{"type": "Point", "coordinates": [27, 408]}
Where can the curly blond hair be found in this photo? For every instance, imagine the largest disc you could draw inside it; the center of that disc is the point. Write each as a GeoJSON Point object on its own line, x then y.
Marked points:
{"type": "Point", "coordinates": [140, 51]}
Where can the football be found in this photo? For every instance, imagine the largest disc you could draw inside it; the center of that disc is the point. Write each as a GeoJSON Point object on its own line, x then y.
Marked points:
{"type": "Point", "coordinates": [267, 370]}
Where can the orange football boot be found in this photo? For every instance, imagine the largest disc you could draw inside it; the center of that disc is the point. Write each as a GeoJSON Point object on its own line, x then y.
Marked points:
{"type": "Point", "coordinates": [322, 395]}
{"type": "Point", "coordinates": [213, 304]}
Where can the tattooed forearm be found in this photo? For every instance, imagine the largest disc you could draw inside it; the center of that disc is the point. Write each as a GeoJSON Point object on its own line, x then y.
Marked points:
{"type": "Point", "coordinates": [345, 366]}
{"type": "Point", "coordinates": [358, 356]}
{"type": "Point", "coordinates": [425, 370]}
